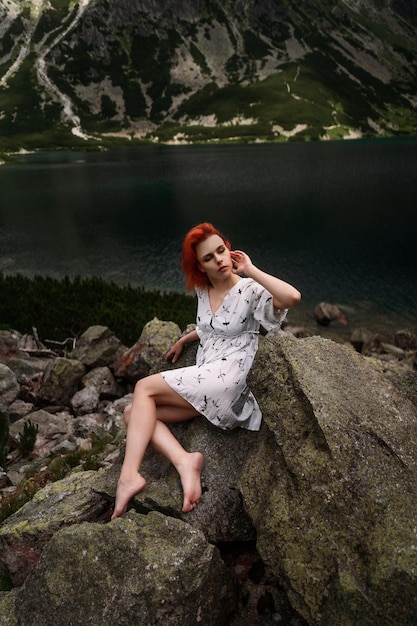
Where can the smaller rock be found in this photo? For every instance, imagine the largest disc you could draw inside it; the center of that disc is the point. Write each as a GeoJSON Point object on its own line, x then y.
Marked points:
{"type": "Point", "coordinates": [395, 351]}
{"type": "Point", "coordinates": [103, 380]}
{"type": "Point", "coordinates": [98, 346]}
{"type": "Point", "coordinates": [61, 379]}
{"type": "Point", "coordinates": [91, 425]}
{"type": "Point", "coordinates": [4, 480]}
{"type": "Point", "coordinates": [298, 331]}
{"type": "Point", "coordinates": [85, 401]}
{"type": "Point", "coordinates": [8, 491]}
{"type": "Point", "coordinates": [362, 340]}
{"type": "Point", "coordinates": [9, 387]}
{"type": "Point", "coordinates": [15, 478]}
{"type": "Point", "coordinates": [18, 409]}
{"type": "Point", "coordinates": [64, 447]}
{"type": "Point", "coordinates": [326, 313]}
{"type": "Point", "coordinates": [405, 339]}
{"type": "Point", "coordinates": [9, 344]}
{"type": "Point", "coordinates": [120, 404]}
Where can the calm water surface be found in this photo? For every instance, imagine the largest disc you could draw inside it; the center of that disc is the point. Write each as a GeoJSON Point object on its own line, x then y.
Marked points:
{"type": "Point", "coordinates": [337, 219]}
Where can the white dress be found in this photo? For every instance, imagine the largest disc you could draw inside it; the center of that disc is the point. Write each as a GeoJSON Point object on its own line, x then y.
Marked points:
{"type": "Point", "coordinates": [216, 386]}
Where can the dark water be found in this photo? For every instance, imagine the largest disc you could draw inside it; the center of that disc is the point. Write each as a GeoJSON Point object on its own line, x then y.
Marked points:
{"type": "Point", "coordinates": [337, 219]}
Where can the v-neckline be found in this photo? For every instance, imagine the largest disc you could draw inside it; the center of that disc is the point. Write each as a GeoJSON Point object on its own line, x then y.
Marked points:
{"type": "Point", "coordinates": [222, 300]}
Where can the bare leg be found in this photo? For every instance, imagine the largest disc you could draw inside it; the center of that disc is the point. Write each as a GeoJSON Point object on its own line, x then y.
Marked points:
{"type": "Point", "coordinates": [139, 433]}
{"type": "Point", "coordinates": [167, 414]}
{"type": "Point", "coordinates": [150, 393]}
{"type": "Point", "coordinates": [188, 464]}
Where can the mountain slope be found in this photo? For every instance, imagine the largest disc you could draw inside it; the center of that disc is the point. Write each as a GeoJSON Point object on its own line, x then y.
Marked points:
{"type": "Point", "coordinates": [91, 72]}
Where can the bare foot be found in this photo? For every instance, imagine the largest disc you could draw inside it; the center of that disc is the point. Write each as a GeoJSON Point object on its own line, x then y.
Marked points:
{"type": "Point", "coordinates": [190, 474]}
{"type": "Point", "coordinates": [126, 489]}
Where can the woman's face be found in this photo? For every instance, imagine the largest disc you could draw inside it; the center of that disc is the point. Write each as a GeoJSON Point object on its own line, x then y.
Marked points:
{"type": "Point", "coordinates": [213, 257]}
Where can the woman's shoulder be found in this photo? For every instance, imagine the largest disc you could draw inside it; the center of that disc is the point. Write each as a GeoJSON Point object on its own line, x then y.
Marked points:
{"type": "Point", "coordinates": [201, 291]}
{"type": "Point", "coordinates": [246, 284]}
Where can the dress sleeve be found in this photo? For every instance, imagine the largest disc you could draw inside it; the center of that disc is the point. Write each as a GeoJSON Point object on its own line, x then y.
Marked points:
{"type": "Point", "coordinates": [264, 311]}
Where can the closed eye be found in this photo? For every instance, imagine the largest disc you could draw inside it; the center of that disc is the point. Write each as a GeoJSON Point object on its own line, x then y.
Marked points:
{"type": "Point", "coordinates": [208, 257]}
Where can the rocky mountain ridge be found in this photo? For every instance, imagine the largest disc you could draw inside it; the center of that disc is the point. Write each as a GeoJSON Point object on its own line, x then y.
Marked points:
{"type": "Point", "coordinates": [93, 72]}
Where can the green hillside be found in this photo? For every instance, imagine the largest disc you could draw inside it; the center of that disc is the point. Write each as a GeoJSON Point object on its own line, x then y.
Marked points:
{"type": "Point", "coordinates": [91, 74]}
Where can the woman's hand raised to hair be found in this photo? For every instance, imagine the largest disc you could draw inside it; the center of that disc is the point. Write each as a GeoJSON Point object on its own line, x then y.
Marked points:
{"type": "Point", "coordinates": [285, 295]}
{"type": "Point", "coordinates": [241, 262]}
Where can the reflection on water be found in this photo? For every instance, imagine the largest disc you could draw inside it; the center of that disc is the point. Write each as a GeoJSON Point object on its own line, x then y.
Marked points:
{"type": "Point", "coordinates": [337, 219]}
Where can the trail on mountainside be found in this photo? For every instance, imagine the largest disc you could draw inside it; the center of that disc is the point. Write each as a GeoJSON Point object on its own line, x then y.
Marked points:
{"type": "Point", "coordinates": [35, 14]}
{"type": "Point", "coordinates": [68, 114]}
{"type": "Point", "coordinates": [36, 9]}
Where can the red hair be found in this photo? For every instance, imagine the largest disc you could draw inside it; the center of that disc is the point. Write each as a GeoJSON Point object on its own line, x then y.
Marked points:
{"type": "Point", "coordinates": [194, 276]}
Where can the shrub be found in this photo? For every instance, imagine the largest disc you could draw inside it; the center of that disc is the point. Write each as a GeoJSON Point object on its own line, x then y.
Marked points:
{"type": "Point", "coordinates": [27, 437]}
{"type": "Point", "coordinates": [67, 307]}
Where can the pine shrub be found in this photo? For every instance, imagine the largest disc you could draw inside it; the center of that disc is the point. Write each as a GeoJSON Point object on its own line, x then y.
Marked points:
{"type": "Point", "coordinates": [61, 308]}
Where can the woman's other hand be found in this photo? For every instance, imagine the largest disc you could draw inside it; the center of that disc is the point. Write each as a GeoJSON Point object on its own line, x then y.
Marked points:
{"type": "Point", "coordinates": [175, 351]}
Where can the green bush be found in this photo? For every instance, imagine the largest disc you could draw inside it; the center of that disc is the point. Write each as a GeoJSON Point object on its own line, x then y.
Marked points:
{"type": "Point", "coordinates": [67, 307]}
{"type": "Point", "coordinates": [27, 437]}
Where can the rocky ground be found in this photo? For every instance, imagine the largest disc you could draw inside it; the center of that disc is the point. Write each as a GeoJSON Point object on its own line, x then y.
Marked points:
{"type": "Point", "coordinates": [77, 406]}
{"type": "Point", "coordinates": [64, 411]}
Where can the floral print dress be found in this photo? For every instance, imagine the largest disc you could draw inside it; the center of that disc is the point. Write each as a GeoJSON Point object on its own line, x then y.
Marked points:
{"type": "Point", "coordinates": [216, 386]}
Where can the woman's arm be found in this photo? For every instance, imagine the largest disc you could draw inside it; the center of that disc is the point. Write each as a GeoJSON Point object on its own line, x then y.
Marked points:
{"type": "Point", "coordinates": [285, 295]}
{"type": "Point", "coordinates": [176, 349]}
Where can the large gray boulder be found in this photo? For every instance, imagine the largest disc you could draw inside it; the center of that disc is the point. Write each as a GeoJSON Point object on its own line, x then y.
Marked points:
{"type": "Point", "coordinates": [332, 489]}
{"type": "Point", "coordinates": [98, 346]}
{"type": "Point", "coordinates": [61, 380]}
{"type": "Point", "coordinates": [24, 535]}
{"type": "Point", "coordinates": [154, 342]}
{"type": "Point", "coordinates": [83, 496]}
{"type": "Point", "coordinates": [136, 570]}
{"type": "Point", "coordinates": [49, 425]}
{"type": "Point", "coordinates": [220, 514]}
{"type": "Point", "coordinates": [28, 370]}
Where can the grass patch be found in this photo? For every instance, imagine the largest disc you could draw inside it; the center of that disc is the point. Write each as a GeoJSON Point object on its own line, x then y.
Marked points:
{"type": "Point", "coordinates": [267, 102]}
{"type": "Point", "coordinates": [58, 467]}
{"type": "Point", "coordinates": [12, 503]}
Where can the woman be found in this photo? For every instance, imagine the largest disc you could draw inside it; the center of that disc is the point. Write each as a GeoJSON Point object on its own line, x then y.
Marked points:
{"type": "Point", "coordinates": [230, 311]}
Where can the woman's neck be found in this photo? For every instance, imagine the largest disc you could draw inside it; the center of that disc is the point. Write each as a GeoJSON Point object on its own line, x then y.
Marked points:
{"type": "Point", "coordinates": [223, 286]}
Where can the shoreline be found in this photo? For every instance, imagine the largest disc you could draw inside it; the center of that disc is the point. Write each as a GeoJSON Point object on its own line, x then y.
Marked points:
{"type": "Point", "coordinates": [8, 157]}
{"type": "Point", "coordinates": [365, 315]}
